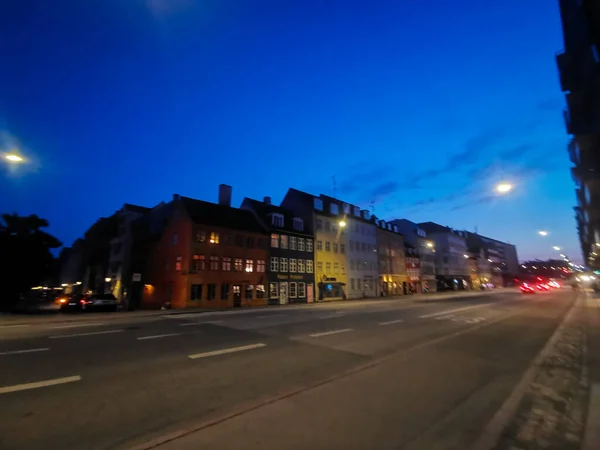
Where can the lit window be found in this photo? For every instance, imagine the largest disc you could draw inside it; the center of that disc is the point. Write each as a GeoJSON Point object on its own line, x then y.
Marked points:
{"type": "Point", "coordinates": [283, 265]}
{"type": "Point", "coordinates": [327, 246]}
{"type": "Point", "coordinates": [327, 268]}
{"type": "Point", "coordinates": [298, 224]}
{"type": "Point", "coordinates": [277, 220]}
{"type": "Point", "coordinates": [178, 264]}
{"type": "Point", "coordinates": [335, 247]}
{"type": "Point", "coordinates": [238, 264]}
{"type": "Point", "coordinates": [318, 204]}
{"type": "Point", "coordinates": [301, 290]}
{"type": "Point", "coordinates": [260, 291]}
{"type": "Point", "coordinates": [214, 238]}
{"type": "Point", "coordinates": [273, 290]}
{"type": "Point", "coordinates": [334, 209]}
{"type": "Point", "coordinates": [275, 240]}
{"type": "Point", "coordinates": [301, 244]}
{"type": "Point", "coordinates": [174, 239]}
{"type": "Point", "coordinates": [201, 236]}
{"type": "Point", "coordinates": [260, 265]}
{"type": "Point", "coordinates": [214, 263]}
{"type": "Point", "coordinates": [309, 266]}
{"type": "Point", "coordinates": [342, 248]}
{"type": "Point", "coordinates": [249, 265]}
{"type": "Point", "coordinates": [319, 267]}
{"type": "Point", "coordinates": [226, 264]}
{"type": "Point", "coordinates": [293, 290]}
{"type": "Point", "coordinates": [292, 265]}
{"type": "Point", "coordinates": [309, 245]}
{"type": "Point", "coordinates": [284, 241]}
{"type": "Point", "coordinates": [198, 262]}
{"type": "Point", "coordinates": [292, 243]}
{"type": "Point", "coordinates": [274, 264]}
{"type": "Point", "coordinates": [336, 267]}
{"type": "Point", "coordinates": [319, 245]}
{"type": "Point", "coordinates": [301, 267]}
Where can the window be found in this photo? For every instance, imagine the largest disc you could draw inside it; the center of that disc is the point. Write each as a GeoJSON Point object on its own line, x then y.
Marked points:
{"type": "Point", "coordinates": [292, 243]}
{"type": "Point", "coordinates": [226, 264]}
{"type": "Point", "coordinates": [318, 204]}
{"type": "Point", "coordinates": [201, 237]}
{"type": "Point", "coordinates": [198, 262]}
{"type": "Point", "coordinates": [342, 248]}
{"type": "Point", "coordinates": [214, 263]}
{"type": "Point", "coordinates": [248, 292]}
{"type": "Point", "coordinates": [214, 238]}
{"type": "Point", "coordinates": [335, 247]}
{"type": "Point", "coordinates": [364, 246]}
{"type": "Point", "coordinates": [327, 268]}
{"type": "Point", "coordinates": [174, 239]}
{"type": "Point", "coordinates": [351, 245]}
{"type": "Point", "coordinates": [358, 283]}
{"type": "Point", "coordinates": [334, 209]}
{"type": "Point", "coordinates": [239, 240]}
{"type": "Point", "coordinates": [273, 290]}
{"type": "Point", "coordinates": [275, 240]}
{"type": "Point", "coordinates": [284, 241]}
{"type": "Point", "coordinates": [346, 207]}
{"type": "Point", "coordinates": [327, 246]}
{"type": "Point", "coordinates": [319, 245]}
{"type": "Point", "coordinates": [352, 283]}
{"type": "Point", "coordinates": [274, 264]}
{"type": "Point", "coordinates": [178, 264]}
{"type": "Point", "coordinates": [309, 245]}
{"type": "Point", "coordinates": [327, 225]}
{"type": "Point", "coordinates": [319, 224]}
{"type": "Point", "coordinates": [249, 265]}
{"type": "Point", "coordinates": [292, 265]}
{"type": "Point", "coordinates": [238, 265]}
{"type": "Point", "coordinates": [260, 265]}
{"type": "Point", "coordinates": [284, 265]}
{"type": "Point", "coordinates": [263, 243]}
{"type": "Point", "coordinates": [224, 292]}
{"type": "Point", "coordinates": [211, 292]}
{"type": "Point", "coordinates": [301, 290]}
{"type": "Point", "coordinates": [336, 267]}
{"type": "Point", "coordinates": [356, 211]}
{"type": "Point", "coordinates": [298, 224]}
{"type": "Point", "coordinates": [309, 266]}
{"type": "Point", "coordinates": [196, 292]}
{"type": "Point", "coordinates": [301, 244]}
{"type": "Point", "coordinates": [277, 220]}
{"type": "Point", "coordinates": [319, 267]}
{"type": "Point", "coordinates": [260, 291]}
{"type": "Point", "coordinates": [229, 239]}
{"type": "Point", "coordinates": [352, 264]}
{"type": "Point", "coordinates": [343, 269]}
{"type": "Point", "coordinates": [293, 290]}
{"type": "Point", "coordinates": [301, 266]}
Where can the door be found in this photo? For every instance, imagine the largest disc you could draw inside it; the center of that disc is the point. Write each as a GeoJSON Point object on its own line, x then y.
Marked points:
{"type": "Point", "coordinates": [237, 295]}
{"type": "Point", "coordinates": [283, 293]}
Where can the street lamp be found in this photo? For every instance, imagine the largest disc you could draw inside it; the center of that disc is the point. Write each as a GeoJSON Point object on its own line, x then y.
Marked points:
{"type": "Point", "coordinates": [466, 256]}
{"type": "Point", "coordinates": [429, 244]}
{"type": "Point", "coordinates": [342, 223]}
{"type": "Point", "coordinates": [504, 188]}
{"type": "Point", "coordinates": [557, 248]}
{"type": "Point", "coordinates": [14, 158]}
{"type": "Point", "coordinates": [543, 233]}
{"type": "Point", "coordinates": [108, 279]}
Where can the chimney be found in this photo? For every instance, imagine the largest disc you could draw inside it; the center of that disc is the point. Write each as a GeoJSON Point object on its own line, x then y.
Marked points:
{"type": "Point", "coordinates": [267, 200]}
{"type": "Point", "coordinates": [224, 195]}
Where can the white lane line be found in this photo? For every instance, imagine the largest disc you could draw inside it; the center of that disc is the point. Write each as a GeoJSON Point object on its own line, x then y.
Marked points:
{"type": "Point", "coordinates": [78, 325]}
{"type": "Point", "coordinates": [391, 322]}
{"type": "Point", "coordinates": [14, 326]}
{"type": "Point", "coordinates": [189, 324]}
{"type": "Point", "coordinates": [38, 384]}
{"type": "Point", "coordinates": [271, 315]}
{"type": "Point", "coordinates": [226, 350]}
{"type": "Point", "coordinates": [62, 336]}
{"type": "Point", "coordinates": [327, 333]}
{"type": "Point", "coordinates": [331, 316]}
{"type": "Point", "coordinates": [157, 336]}
{"type": "Point", "coordinates": [31, 350]}
{"type": "Point", "coordinates": [443, 313]}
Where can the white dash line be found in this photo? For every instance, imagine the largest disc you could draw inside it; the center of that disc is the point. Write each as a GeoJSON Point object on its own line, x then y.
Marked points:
{"type": "Point", "coordinates": [443, 313]}
{"type": "Point", "coordinates": [13, 326]}
{"type": "Point", "coordinates": [62, 336]}
{"type": "Point", "coordinates": [38, 384]}
{"type": "Point", "coordinates": [331, 316]}
{"type": "Point", "coordinates": [271, 315]}
{"type": "Point", "coordinates": [77, 326]}
{"type": "Point", "coordinates": [19, 352]}
{"type": "Point", "coordinates": [189, 324]}
{"type": "Point", "coordinates": [391, 322]}
{"type": "Point", "coordinates": [327, 333]}
{"type": "Point", "coordinates": [226, 350]}
{"type": "Point", "coordinates": [157, 336]}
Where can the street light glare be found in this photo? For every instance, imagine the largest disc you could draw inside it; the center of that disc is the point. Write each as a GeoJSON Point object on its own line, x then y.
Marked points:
{"type": "Point", "coordinates": [543, 233]}
{"type": "Point", "coordinates": [429, 244]}
{"type": "Point", "coordinates": [557, 248]}
{"type": "Point", "coordinates": [12, 157]}
{"type": "Point", "coordinates": [342, 223]}
{"type": "Point", "coordinates": [503, 188]}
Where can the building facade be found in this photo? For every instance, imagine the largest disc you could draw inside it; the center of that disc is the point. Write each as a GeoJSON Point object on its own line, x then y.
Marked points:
{"type": "Point", "coordinates": [413, 270]}
{"type": "Point", "coordinates": [290, 266]}
{"type": "Point", "coordinates": [391, 260]}
{"type": "Point", "coordinates": [496, 258]}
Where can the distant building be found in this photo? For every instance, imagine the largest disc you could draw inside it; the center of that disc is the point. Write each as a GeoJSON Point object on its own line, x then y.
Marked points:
{"type": "Point", "coordinates": [392, 264]}
{"type": "Point", "coordinates": [501, 257]}
{"type": "Point", "coordinates": [413, 270]}
{"type": "Point", "coordinates": [290, 266]}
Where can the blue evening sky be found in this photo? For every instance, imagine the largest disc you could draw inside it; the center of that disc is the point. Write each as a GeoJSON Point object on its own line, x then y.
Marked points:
{"type": "Point", "coordinates": [415, 107]}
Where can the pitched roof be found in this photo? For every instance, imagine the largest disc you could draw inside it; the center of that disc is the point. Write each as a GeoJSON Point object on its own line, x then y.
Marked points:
{"type": "Point", "coordinates": [263, 210]}
{"type": "Point", "coordinates": [136, 208]}
{"type": "Point", "coordinates": [432, 227]}
{"type": "Point", "coordinates": [207, 213]}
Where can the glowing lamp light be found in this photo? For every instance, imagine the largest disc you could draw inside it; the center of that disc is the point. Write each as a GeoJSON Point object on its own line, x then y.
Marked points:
{"type": "Point", "coordinates": [342, 223]}
{"type": "Point", "coordinates": [557, 248]}
{"type": "Point", "coordinates": [504, 188]}
{"type": "Point", "coordinates": [429, 244]}
{"type": "Point", "coordinates": [543, 233]}
{"type": "Point", "coordinates": [13, 158]}
{"type": "Point", "coordinates": [108, 279]}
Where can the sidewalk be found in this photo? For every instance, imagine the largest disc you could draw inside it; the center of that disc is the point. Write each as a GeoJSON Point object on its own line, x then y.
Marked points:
{"type": "Point", "coordinates": [15, 320]}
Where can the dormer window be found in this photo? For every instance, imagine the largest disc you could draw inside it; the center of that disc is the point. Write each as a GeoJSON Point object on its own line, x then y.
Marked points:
{"type": "Point", "coordinates": [382, 223]}
{"type": "Point", "coordinates": [365, 214]}
{"type": "Point", "coordinates": [334, 209]}
{"type": "Point", "coordinates": [277, 220]}
{"type": "Point", "coordinates": [395, 228]}
{"type": "Point", "coordinates": [318, 204]}
{"type": "Point", "coordinates": [356, 211]}
{"type": "Point", "coordinates": [347, 208]}
{"type": "Point", "coordinates": [389, 226]}
{"type": "Point", "coordinates": [298, 224]}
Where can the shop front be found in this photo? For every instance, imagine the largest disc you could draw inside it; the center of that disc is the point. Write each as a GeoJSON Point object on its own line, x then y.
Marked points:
{"type": "Point", "coordinates": [291, 288]}
{"type": "Point", "coordinates": [331, 289]}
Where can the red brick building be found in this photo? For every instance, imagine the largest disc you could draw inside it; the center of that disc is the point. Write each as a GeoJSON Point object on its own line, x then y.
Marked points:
{"type": "Point", "coordinates": [208, 255]}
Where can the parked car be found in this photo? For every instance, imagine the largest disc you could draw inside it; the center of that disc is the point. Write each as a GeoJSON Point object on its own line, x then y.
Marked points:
{"type": "Point", "coordinates": [93, 302]}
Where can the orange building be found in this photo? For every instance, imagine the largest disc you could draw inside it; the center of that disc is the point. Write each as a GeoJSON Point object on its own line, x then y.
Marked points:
{"type": "Point", "coordinates": [208, 255]}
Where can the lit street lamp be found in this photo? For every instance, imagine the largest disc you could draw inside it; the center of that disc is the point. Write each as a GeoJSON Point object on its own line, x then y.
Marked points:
{"type": "Point", "coordinates": [108, 279]}
{"type": "Point", "coordinates": [429, 245]}
{"type": "Point", "coordinates": [504, 188]}
{"type": "Point", "coordinates": [556, 248]}
{"type": "Point", "coordinates": [342, 223]}
{"type": "Point", "coordinates": [543, 233]}
{"type": "Point", "coordinates": [13, 158]}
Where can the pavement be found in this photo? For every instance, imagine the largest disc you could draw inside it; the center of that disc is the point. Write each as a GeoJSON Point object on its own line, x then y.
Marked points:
{"type": "Point", "coordinates": [368, 374]}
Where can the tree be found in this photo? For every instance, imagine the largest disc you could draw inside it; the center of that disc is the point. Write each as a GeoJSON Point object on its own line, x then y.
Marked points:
{"type": "Point", "coordinates": [25, 256]}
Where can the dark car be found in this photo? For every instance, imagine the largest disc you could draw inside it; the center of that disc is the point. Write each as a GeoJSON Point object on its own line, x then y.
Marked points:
{"type": "Point", "coordinates": [92, 302]}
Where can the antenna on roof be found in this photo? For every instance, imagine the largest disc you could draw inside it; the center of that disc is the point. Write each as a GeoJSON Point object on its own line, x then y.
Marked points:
{"type": "Point", "coordinates": [372, 206]}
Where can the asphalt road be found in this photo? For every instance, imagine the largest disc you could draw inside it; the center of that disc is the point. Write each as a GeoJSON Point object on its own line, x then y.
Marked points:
{"type": "Point", "coordinates": [354, 375]}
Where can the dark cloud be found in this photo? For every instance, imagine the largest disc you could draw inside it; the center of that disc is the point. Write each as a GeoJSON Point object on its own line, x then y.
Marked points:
{"type": "Point", "coordinates": [383, 189]}
{"type": "Point", "coordinates": [517, 152]}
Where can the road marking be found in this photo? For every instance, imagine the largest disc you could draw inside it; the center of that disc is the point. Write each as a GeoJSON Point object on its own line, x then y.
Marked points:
{"type": "Point", "coordinates": [271, 315]}
{"type": "Point", "coordinates": [62, 336]}
{"type": "Point", "coordinates": [200, 323]}
{"type": "Point", "coordinates": [327, 333]}
{"type": "Point", "coordinates": [391, 322]}
{"type": "Point", "coordinates": [38, 384]}
{"type": "Point", "coordinates": [14, 326]}
{"type": "Point", "coordinates": [226, 350]}
{"type": "Point", "coordinates": [18, 352]}
{"type": "Point", "coordinates": [157, 336]}
{"type": "Point", "coordinates": [78, 325]}
{"type": "Point", "coordinates": [443, 313]}
{"type": "Point", "coordinates": [330, 316]}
